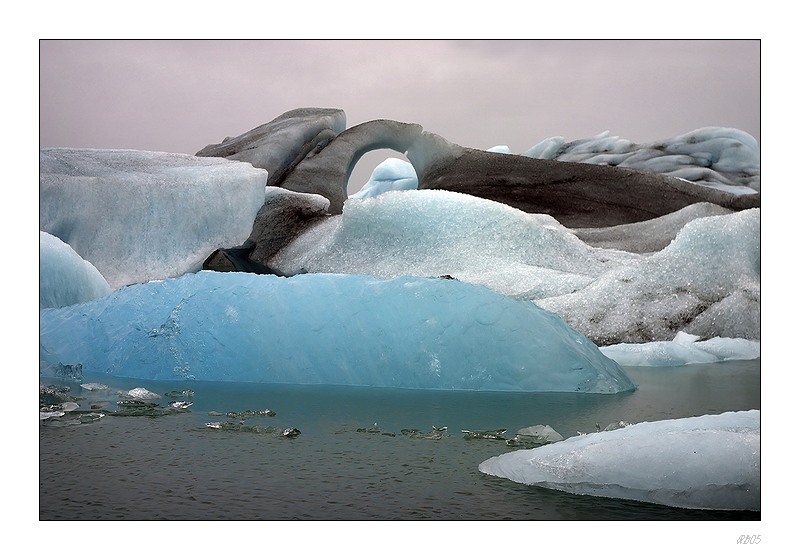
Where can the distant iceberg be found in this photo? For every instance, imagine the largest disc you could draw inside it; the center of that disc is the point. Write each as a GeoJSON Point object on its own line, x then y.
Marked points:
{"type": "Point", "coordinates": [718, 157]}
{"type": "Point", "coordinates": [706, 462]}
{"type": "Point", "coordinates": [407, 332]}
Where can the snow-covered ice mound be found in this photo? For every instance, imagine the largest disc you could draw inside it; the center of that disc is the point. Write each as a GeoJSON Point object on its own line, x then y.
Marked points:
{"type": "Point", "coordinates": [706, 462]}
{"type": "Point", "coordinates": [434, 233]}
{"type": "Point", "coordinates": [327, 329]}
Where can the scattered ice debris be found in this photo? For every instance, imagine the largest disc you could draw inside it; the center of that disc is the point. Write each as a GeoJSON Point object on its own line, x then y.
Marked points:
{"type": "Point", "coordinates": [185, 393]}
{"type": "Point", "coordinates": [142, 408]}
{"type": "Point", "coordinates": [375, 430]}
{"type": "Point", "coordinates": [53, 394]}
{"type": "Point", "coordinates": [74, 418]}
{"type": "Point", "coordinates": [44, 413]}
{"type": "Point", "coordinates": [616, 426]}
{"type": "Point", "coordinates": [534, 436]}
{"type": "Point", "coordinates": [95, 387]}
{"type": "Point", "coordinates": [248, 413]}
{"type": "Point", "coordinates": [241, 427]}
{"type": "Point", "coordinates": [182, 405]}
{"type": "Point", "coordinates": [435, 433]}
{"type": "Point", "coordinates": [139, 393]}
{"type": "Point", "coordinates": [485, 434]}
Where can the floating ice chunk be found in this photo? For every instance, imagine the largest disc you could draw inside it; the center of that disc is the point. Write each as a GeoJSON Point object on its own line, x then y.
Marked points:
{"type": "Point", "coordinates": [682, 352]}
{"type": "Point", "coordinates": [139, 216]}
{"type": "Point", "coordinates": [706, 462]}
{"type": "Point", "coordinates": [64, 277]}
{"type": "Point", "coordinates": [139, 393]}
{"type": "Point", "coordinates": [95, 387]}
{"type": "Point", "coordinates": [406, 332]}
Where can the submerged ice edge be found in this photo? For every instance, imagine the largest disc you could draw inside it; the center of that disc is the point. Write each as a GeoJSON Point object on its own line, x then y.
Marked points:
{"type": "Point", "coordinates": [406, 332]}
{"type": "Point", "coordinates": [704, 462]}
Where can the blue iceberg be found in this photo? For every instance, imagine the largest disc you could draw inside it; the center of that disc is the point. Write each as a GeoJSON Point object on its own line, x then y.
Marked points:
{"type": "Point", "coordinates": [405, 332]}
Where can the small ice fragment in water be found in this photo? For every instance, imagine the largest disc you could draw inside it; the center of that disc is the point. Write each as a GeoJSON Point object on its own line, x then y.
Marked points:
{"type": "Point", "coordinates": [184, 393]}
{"type": "Point", "coordinates": [95, 387]}
{"type": "Point", "coordinates": [139, 393]}
{"type": "Point", "coordinates": [484, 434]}
{"type": "Point", "coordinates": [182, 405]}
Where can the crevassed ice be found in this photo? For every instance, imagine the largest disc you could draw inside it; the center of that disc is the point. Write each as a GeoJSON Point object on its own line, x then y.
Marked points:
{"type": "Point", "coordinates": [407, 332]}
{"type": "Point", "coordinates": [705, 462]}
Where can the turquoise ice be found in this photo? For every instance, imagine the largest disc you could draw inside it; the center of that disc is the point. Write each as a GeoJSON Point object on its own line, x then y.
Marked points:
{"type": "Point", "coordinates": [406, 332]}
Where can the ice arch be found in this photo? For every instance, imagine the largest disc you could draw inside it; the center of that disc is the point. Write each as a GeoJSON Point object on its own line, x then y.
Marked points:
{"type": "Point", "coordinates": [328, 172]}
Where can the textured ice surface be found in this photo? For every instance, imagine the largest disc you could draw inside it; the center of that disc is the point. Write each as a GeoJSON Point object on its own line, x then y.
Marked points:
{"type": "Point", "coordinates": [706, 281]}
{"type": "Point", "coordinates": [64, 277]}
{"type": "Point", "coordinates": [682, 350]}
{"type": "Point", "coordinates": [434, 233]}
{"type": "Point", "coordinates": [329, 329]}
{"type": "Point", "coordinates": [139, 216]}
{"type": "Point", "coordinates": [706, 462]}
{"type": "Point", "coordinates": [723, 158]}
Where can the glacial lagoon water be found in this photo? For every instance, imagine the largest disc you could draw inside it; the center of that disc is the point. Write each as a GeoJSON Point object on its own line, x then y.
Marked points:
{"type": "Point", "coordinates": [355, 458]}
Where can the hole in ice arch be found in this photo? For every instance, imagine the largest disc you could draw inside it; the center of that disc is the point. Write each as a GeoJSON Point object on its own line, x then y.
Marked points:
{"type": "Point", "coordinates": [366, 165]}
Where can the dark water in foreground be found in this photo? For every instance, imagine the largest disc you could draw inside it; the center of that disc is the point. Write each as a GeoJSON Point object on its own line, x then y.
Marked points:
{"type": "Point", "coordinates": [175, 468]}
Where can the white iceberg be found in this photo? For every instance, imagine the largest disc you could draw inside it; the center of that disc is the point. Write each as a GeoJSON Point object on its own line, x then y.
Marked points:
{"type": "Point", "coordinates": [705, 462]}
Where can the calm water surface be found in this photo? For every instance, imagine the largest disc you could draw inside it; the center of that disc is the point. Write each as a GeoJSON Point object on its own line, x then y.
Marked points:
{"type": "Point", "coordinates": [175, 468]}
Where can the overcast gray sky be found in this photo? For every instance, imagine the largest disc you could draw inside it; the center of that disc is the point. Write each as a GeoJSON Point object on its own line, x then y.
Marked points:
{"type": "Point", "coordinates": [180, 95]}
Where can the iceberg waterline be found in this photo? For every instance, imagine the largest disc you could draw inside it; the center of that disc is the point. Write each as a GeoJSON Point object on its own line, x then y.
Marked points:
{"type": "Point", "coordinates": [407, 332]}
{"type": "Point", "coordinates": [706, 462]}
